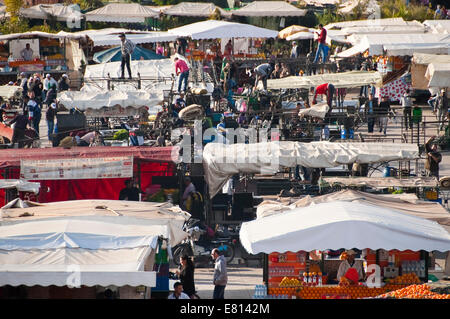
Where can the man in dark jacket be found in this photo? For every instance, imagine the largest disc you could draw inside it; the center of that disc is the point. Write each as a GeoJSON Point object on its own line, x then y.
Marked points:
{"type": "Point", "coordinates": [433, 158]}
{"type": "Point", "coordinates": [50, 117]}
{"type": "Point", "coordinates": [130, 192]}
{"type": "Point", "coordinates": [383, 111]}
{"type": "Point", "coordinates": [19, 129]}
{"type": "Point", "coordinates": [51, 95]}
{"type": "Point", "coordinates": [370, 108]}
{"type": "Point", "coordinates": [63, 83]}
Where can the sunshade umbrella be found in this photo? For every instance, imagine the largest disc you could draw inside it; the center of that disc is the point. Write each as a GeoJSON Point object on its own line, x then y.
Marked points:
{"type": "Point", "coordinates": [283, 34]}
{"type": "Point", "coordinates": [115, 55]}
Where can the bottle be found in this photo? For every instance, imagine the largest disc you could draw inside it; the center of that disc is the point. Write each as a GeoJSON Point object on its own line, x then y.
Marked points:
{"type": "Point", "coordinates": [320, 279]}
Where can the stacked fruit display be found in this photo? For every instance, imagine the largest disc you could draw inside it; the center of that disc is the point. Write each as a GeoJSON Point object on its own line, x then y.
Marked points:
{"type": "Point", "coordinates": [339, 292]}
{"type": "Point", "coordinates": [414, 292]}
{"type": "Point", "coordinates": [405, 279]}
{"type": "Point", "coordinates": [289, 282]}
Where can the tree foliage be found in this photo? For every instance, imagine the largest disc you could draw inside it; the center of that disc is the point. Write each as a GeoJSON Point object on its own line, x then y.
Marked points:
{"type": "Point", "coordinates": [398, 9]}
{"type": "Point", "coordinates": [13, 7]}
{"type": "Point", "coordinates": [89, 5]}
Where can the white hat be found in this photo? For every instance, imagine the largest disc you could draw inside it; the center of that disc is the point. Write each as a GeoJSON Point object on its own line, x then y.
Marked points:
{"type": "Point", "coordinates": [64, 75]}
{"type": "Point", "coordinates": [351, 252]}
{"type": "Point", "coordinates": [53, 105]}
{"type": "Point", "coordinates": [47, 75]}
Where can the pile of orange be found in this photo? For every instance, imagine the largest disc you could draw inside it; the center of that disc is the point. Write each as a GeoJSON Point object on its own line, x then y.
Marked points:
{"type": "Point", "coordinates": [353, 292]}
{"type": "Point", "coordinates": [405, 279]}
{"type": "Point", "coordinates": [282, 291]}
{"type": "Point", "coordinates": [414, 292]}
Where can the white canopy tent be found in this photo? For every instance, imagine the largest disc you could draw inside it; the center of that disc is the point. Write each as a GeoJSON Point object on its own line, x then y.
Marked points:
{"type": "Point", "coordinates": [221, 161]}
{"type": "Point", "coordinates": [373, 10]}
{"type": "Point", "coordinates": [43, 252]}
{"type": "Point", "coordinates": [194, 9]}
{"type": "Point", "coordinates": [438, 26]}
{"type": "Point", "coordinates": [20, 185]}
{"type": "Point", "coordinates": [339, 80]}
{"type": "Point", "coordinates": [137, 38]}
{"type": "Point", "coordinates": [58, 11]}
{"type": "Point", "coordinates": [269, 9]}
{"type": "Point", "coordinates": [106, 242]}
{"type": "Point", "coordinates": [438, 75]}
{"type": "Point", "coordinates": [213, 29]}
{"type": "Point", "coordinates": [122, 12]}
{"type": "Point", "coordinates": [338, 224]}
{"type": "Point", "coordinates": [371, 23]}
{"type": "Point", "coordinates": [399, 44]}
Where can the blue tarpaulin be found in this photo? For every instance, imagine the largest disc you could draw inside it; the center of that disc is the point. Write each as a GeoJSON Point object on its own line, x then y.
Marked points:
{"type": "Point", "coordinates": [114, 55]}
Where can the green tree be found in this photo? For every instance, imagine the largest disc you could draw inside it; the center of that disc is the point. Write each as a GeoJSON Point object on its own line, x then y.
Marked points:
{"type": "Point", "coordinates": [398, 9]}
{"type": "Point", "coordinates": [89, 5]}
{"type": "Point", "coordinates": [13, 7]}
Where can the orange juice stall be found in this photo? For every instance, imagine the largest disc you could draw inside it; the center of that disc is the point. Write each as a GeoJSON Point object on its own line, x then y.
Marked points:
{"type": "Point", "coordinates": [298, 261]}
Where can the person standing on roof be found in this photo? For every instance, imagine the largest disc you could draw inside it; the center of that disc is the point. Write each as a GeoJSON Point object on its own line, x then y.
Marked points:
{"type": "Point", "coordinates": [182, 69]}
{"type": "Point", "coordinates": [321, 44]}
{"type": "Point", "coordinates": [126, 47]}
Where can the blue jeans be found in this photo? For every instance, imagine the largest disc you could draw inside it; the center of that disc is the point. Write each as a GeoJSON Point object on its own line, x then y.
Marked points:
{"type": "Point", "coordinates": [321, 50]}
{"type": "Point", "coordinates": [219, 292]}
{"type": "Point", "coordinates": [183, 76]}
{"type": "Point", "coordinates": [36, 121]}
{"type": "Point", "coordinates": [51, 126]}
{"type": "Point", "coordinates": [432, 103]}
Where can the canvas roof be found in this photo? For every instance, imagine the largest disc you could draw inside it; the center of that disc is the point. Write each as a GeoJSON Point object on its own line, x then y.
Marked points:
{"type": "Point", "coordinates": [424, 58]}
{"type": "Point", "coordinates": [122, 12]}
{"type": "Point", "coordinates": [340, 224]}
{"type": "Point", "coordinates": [339, 80]}
{"type": "Point", "coordinates": [269, 9]}
{"type": "Point", "coordinates": [194, 9]}
{"type": "Point", "coordinates": [213, 29]}
{"type": "Point", "coordinates": [438, 75]}
{"type": "Point", "coordinates": [59, 11]}
{"type": "Point", "coordinates": [221, 161]}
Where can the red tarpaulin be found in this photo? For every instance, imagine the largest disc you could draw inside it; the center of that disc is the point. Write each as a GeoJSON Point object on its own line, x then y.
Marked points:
{"type": "Point", "coordinates": [152, 162]}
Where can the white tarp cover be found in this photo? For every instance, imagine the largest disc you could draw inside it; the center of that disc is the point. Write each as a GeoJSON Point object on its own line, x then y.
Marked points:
{"type": "Point", "coordinates": [194, 9]}
{"type": "Point", "coordinates": [339, 80]}
{"type": "Point", "coordinates": [106, 252]}
{"type": "Point", "coordinates": [383, 182]}
{"type": "Point", "coordinates": [406, 203]}
{"type": "Point", "coordinates": [269, 9]}
{"type": "Point", "coordinates": [39, 34]}
{"type": "Point", "coordinates": [122, 12]}
{"type": "Point", "coordinates": [138, 213]}
{"type": "Point", "coordinates": [214, 29]}
{"type": "Point", "coordinates": [368, 23]}
{"type": "Point", "coordinates": [109, 99]}
{"type": "Point", "coordinates": [147, 37]}
{"type": "Point", "coordinates": [438, 74]}
{"type": "Point", "coordinates": [21, 185]}
{"type": "Point", "coordinates": [401, 44]}
{"type": "Point", "coordinates": [339, 224]}
{"type": "Point", "coordinates": [318, 110]}
{"type": "Point", "coordinates": [59, 11]}
{"type": "Point", "coordinates": [438, 26]}
{"type": "Point", "coordinates": [423, 58]}
{"type": "Point", "coordinates": [11, 91]}
{"type": "Point", "coordinates": [220, 161]}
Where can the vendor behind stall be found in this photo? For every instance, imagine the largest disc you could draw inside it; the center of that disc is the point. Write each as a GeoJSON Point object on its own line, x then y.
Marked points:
{"type": "Point", "coordinates": [349, 262]}
{"type": "Point", "coordinates": [27, 53]}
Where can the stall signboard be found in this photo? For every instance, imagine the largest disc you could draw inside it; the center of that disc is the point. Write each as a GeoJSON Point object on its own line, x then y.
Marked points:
{"type": "Point", "coordinates": [31, 67]}
{"type": "Point", "coordinates": [73, 168]}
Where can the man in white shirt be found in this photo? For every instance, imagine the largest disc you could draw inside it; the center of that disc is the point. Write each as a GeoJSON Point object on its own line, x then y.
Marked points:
{"type": "Point", "coordinates": [178, 292]}
{"type": "Point", "coordinates": [49, 81]}
{"type": "Point", "coordinates": [27, 53]}
{"type": "Point", "coordinates": [407, 110]}
{"type": "Point", "coordinates": [294, 50]}
{"type": "Point", "coordinates": [350, 262]}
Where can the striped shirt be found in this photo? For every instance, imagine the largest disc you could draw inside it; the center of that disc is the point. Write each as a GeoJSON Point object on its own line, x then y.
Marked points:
{"type": "Point", "coordinates": [127, 47]}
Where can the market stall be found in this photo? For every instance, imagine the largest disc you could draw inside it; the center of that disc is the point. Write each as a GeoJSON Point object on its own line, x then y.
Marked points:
{"type": "Point", "coordinates": [109, 243]}
{"type": "Point", "coordinates": [64, 176]}
{"type": "Point", "coordinates": [47, 52]}
{"type": "Point", "coordinates": [296, 242]}
{"type": "Point", "coordinates": [194, 9]}
{"type": "Point", "coordinates": [221, 161]}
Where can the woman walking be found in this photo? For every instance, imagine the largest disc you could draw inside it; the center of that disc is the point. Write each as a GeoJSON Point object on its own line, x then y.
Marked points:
{"type": "Point", "coordinates": [186, 274]}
